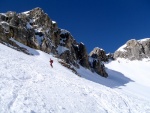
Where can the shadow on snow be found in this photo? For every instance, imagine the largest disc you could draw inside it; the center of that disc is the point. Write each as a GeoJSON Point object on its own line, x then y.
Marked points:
{"type": "Point", "coordinates": [115, 79]}
{"type": "Point", "coordinates": [29, 50]}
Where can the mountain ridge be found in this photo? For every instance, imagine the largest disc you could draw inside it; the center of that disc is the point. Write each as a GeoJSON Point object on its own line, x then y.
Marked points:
{"type": "Point", "coordinates": [28, 83]}
{"type": "Point", "coordinates": [35, 29]}
{"type": "Point", "coordinates": [134, 49]}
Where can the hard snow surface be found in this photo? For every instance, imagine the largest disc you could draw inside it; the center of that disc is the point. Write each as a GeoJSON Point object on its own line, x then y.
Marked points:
{"type": "Point", "coordinates": [134, 73]}
{"type": "Point", "coordinates": [29, 85]}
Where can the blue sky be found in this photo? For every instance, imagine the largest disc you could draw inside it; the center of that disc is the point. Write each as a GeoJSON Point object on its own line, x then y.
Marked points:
{"type": "Point", "coordinates": [97, 23]}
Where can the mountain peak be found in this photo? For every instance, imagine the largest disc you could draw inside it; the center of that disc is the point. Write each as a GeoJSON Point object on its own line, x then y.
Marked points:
{"type": "Point", "coordinates": [35, 29]}
{"type": "Point", "coordinates": [37, 9]}
{"type": "Point", "coordinates": [134, 49]}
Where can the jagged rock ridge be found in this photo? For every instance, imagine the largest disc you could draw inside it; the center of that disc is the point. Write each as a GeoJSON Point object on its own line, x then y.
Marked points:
{"type": "Point", "coordinates": [134, 49]}
{"type": "Point", "coordinates": [35, 29]}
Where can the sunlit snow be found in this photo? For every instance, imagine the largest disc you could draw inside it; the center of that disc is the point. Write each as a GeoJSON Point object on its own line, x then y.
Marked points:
{"type": "Point", "coordinates": [29, 85]}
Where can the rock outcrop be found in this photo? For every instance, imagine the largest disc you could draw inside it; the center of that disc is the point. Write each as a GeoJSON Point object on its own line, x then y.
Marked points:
{"type": "Point", "coordinates": [35, 29]}
{"type": "Point", "coordinates": [96, 59]}
{"type": "Point", "coordinates": [99, 53]}
{"type": "Point", "coordinates": [134, 50]}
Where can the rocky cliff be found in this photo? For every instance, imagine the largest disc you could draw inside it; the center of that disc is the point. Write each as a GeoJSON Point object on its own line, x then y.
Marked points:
{"type": "Point", "coordinates": [134, 49]}
{"type": "Point", "coordinates": [96, 58]}
{"type": "Point", "coordinates": [35, 29]}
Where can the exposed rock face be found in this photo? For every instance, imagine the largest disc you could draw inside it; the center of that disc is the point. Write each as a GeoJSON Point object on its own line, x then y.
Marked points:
{"type": "Point", "coordinates": [110, 56]}
{"type": "Point", "coordinates": [82, 55]}
{"type": "Point", "coordinates": [99, 54]}
{"type": "Point", "coordinates": [96, 57]}
{"type": "Point", "coordinates": [134, 49]}
{"type": "Point", "coordinates": [35, 29]}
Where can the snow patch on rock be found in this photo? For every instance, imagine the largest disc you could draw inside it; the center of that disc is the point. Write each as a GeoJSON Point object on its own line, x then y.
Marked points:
{"type": "Point", "coordinates": [61, 49]}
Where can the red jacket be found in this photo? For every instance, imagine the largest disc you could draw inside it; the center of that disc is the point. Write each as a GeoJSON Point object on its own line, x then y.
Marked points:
{"type": "Point", "coordinates": [51, 61]}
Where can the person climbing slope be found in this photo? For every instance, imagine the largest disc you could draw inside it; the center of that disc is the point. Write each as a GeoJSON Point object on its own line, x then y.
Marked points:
{"type": "Point", "coordinates": [51, 62]}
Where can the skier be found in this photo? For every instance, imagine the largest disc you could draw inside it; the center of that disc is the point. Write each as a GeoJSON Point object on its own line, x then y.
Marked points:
{"type": "Point", "coordinates": [51, 62]}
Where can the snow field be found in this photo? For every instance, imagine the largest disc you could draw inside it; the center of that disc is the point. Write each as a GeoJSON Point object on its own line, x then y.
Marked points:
{"type": "Point", "coordinates": [29, 85]}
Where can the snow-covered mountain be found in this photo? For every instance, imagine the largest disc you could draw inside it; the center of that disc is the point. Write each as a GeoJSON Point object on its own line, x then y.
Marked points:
{"type": "Point", "coordinates": [134, 49]}
{"type": "Point", "coordinates": [29, 85]}
{"type": "Point", "coordinates": [35, 29]}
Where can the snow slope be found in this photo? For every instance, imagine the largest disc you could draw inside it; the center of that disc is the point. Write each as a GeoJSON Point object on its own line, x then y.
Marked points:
{"type": "Point", "coordinates": [137, 71]}
{"type": "Point", "coordinates": [29, 85]}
